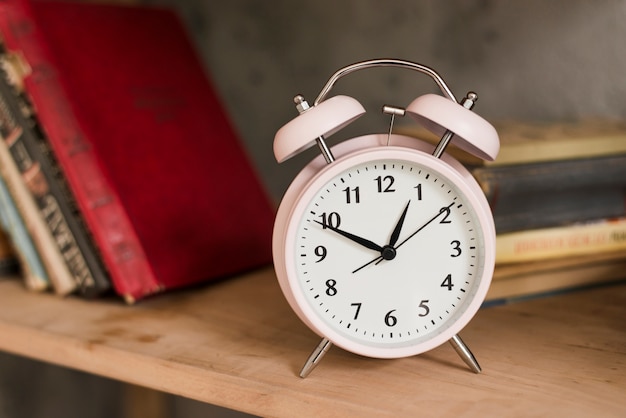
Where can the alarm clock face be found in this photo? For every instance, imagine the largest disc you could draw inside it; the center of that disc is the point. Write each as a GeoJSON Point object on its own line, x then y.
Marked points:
{"type": "Point", "coordinates": [386, 252]}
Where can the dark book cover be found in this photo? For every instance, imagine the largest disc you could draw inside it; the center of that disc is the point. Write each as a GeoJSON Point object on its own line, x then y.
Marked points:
{"type": "Point", "coordinates": [534, 210]}
{"type": "Point", "coordinates": [500, 182]}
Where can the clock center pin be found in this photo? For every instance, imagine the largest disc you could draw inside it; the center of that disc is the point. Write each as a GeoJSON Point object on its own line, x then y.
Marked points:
{"type": "Point", "coordinates": [388, 252]}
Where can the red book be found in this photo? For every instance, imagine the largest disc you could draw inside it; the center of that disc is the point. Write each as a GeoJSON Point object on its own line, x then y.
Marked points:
{"type": "Point", "coordinates": [156, 167]}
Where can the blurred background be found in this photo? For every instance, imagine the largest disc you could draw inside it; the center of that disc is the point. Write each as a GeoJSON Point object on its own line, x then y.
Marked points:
{"type": "Point", "coordinates": [527, 60]}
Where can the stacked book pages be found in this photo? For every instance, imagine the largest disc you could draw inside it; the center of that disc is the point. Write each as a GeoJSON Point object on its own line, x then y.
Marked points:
{"type": "Point", "coordinates": [558, 196]}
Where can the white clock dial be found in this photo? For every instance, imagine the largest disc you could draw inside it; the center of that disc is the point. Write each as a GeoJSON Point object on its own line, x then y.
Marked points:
{"type": "Point", "coordinates": [387, 255]}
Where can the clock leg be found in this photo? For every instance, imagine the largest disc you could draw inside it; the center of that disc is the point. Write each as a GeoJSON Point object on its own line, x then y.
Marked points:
{"type": "Point", "coordinates": [465, 353]}
{"type": "Point", "coordinates": [315, 357]}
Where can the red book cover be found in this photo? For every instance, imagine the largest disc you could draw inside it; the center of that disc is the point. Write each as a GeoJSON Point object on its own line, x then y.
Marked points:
{"type": "Point", "coordinates": [155, 165]}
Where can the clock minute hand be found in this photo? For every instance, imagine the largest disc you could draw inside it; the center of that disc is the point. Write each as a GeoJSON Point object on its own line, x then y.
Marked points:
{"type": "Point", "coordinates": [380, 258]}
{"type": "Point", "coordinates": [359, 240]}
{"type": "Point", "coordinates": [442, 210]}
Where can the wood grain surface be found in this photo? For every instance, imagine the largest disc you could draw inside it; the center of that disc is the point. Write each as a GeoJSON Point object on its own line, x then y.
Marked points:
{"type": "Point", "coordinates": [237, 344]}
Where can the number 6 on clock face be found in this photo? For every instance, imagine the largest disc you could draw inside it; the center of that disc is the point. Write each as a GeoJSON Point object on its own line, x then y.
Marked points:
{"type": "Point", "coordinates": [386, 252]}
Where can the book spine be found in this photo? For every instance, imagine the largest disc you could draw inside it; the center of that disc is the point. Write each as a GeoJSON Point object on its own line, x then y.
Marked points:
{"type": "Point", "coordinates": [567, 241]}
{"type": "Point", "coordinates": [523, 143]}
{"type": "Point", "coordinates": [58, 272]}
{"type": "Point", "coordinates": [500, 182]}
{"type": "Point", "coordinates": [542, 210]}
{"type": "Point", "coordinates": [32, 269]}
{"type": "Point", "coordinates": [38, 169]}
{"type": "Point", "coordinates": [106, 218]}
{"type": "Point", "coordinates": [548, 282]}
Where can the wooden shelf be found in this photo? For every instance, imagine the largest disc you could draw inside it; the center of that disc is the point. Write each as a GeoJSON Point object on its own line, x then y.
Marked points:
{"type": "Point", "coordinates": [237, 344]}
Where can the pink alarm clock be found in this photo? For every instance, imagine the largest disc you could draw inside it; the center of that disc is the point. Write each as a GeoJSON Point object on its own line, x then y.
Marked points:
{"type": "Point", "coordinates": [383, 245]}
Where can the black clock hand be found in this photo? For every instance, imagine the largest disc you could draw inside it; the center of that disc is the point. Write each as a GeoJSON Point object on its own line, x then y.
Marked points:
{"type": "Point", "coordinates": [359, 240]}
{"type": "Point", "coordinates": [389, 251]}
{"type": "Point", "coordinates": [396, 231]}
{"type": "Point", "coordinates": [442, 210]}
{"type": "Point", "coordinates": [380, 258]}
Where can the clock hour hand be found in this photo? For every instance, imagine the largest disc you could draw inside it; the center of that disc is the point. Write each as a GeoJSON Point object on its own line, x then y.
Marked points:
{"type": "Point", "coordinates": [359, 240]}
{"type": "Point", "coordinates": [396, 231]}
{"type": "Point", "coordinates": [389, 250]}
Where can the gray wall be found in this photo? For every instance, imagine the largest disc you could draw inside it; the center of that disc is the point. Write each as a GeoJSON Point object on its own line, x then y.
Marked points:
{"type": "Point", "coordinates": [528, 60]}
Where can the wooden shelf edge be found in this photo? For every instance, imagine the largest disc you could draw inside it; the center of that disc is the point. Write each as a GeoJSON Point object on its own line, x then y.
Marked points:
{"type": "Point", "coordinates": [236, 344]}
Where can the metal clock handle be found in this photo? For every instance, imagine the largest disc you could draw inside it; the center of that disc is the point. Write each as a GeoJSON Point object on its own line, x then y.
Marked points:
{"type": "Point", "coordinates": [302, 105]}
{"type": "Point", "coordinates": [384, 63]}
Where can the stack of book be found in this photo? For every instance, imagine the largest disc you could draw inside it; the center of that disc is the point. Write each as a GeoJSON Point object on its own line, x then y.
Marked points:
{"type": "Point", "coordinates": [119, 168]}
{"type": "Point", "coordinates": [558, 196]}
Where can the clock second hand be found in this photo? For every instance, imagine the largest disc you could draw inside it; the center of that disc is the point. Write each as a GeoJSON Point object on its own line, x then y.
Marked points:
{"type": "Point", "coordinates": [380, 258]}
{"type": "Point", "coordinates": [442, 210]}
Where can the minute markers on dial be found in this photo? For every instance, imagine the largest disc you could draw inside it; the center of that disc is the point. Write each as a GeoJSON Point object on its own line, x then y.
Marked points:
{"type": "Point", "coordinates": [347, 218]}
